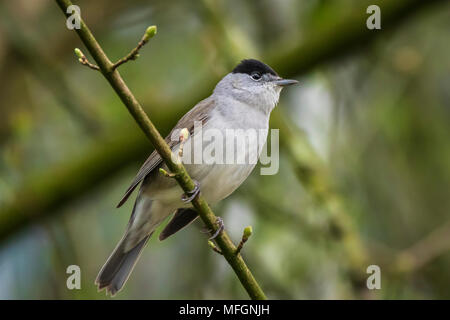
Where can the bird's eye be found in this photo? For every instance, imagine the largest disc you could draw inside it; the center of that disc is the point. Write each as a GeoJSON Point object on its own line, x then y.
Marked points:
{"type": "Point", "coordinates": [256, 76]}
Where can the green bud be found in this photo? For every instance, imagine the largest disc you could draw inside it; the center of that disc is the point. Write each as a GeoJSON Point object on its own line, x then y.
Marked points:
{"type": "Point", "coordinates": [167, 174]}
{"type": "Point", "coordinates": [79, 53]}
{"type": "Point", "coordinates": [150, 33]}
{"type": "Point", "coordinates": [164, 172]}
{"type": "Point", "coordinates": [248, 232]}
{"type": "Point", "coordinates": [211, 244]}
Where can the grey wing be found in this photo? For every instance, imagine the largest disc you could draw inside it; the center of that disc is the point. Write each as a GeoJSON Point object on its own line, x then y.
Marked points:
{"type": "Point", "coordinates": [151, 163]}
{"type": "Point", "coordinates": [199, 113]}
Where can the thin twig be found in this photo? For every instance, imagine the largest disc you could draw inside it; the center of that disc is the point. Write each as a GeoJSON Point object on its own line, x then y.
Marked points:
{"type": "Point", "coordinates": [224, 242]}
{"type": "Point", "coordinates": [245, 235]}
{"type": "Point", "coordinates": [134, 54]}
{"type": "Point", "coordinates": [184, 134]}
{"type": "Point", "coordinates": [425, 250]}
{"type": "Point", "coordinates": [213, 246]}
{"type": "Point", "coordinates": [84, 61]}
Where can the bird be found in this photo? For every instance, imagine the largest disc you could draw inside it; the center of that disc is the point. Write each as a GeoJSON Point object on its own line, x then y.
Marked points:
{"type": "Point", "coordinates": [243, 99]}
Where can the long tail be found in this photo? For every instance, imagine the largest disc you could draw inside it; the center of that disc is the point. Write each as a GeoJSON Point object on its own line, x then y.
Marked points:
{"type": "Point", "coordinates": [117, 269]}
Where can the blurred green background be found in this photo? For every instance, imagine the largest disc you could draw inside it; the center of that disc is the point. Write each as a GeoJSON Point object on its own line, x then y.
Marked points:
{"type": "Point", "coordinates": [364, 144]}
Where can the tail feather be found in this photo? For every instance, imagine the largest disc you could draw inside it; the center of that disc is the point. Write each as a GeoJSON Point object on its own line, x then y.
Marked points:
{"type": "Point", "coordinates": [118, 267]}
{"type": "Point", "coordinates": [144, 219]}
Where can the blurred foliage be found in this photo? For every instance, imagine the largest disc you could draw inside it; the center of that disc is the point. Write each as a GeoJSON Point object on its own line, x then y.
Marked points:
{"type": "Point", "coordinates": [372, 127]}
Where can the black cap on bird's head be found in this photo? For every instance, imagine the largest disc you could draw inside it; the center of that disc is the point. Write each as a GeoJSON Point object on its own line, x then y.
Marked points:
{"type": "Point", "coordinates": [257, 69]}
{"type": "Point", "coordinates": [249, 66]}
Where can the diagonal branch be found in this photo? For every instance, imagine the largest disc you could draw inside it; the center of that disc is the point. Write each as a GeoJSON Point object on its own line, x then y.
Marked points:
{"type": "Point", "coordinates": [184, 180]}
{"type": "Point", "coordinates": [423, 251]}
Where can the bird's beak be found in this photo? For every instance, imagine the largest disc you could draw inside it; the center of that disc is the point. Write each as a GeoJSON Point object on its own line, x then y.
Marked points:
{"type": "Point", "coordinates": [284, 82]}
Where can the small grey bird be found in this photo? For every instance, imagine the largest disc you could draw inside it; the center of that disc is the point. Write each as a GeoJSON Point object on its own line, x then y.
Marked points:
{"type": "Point", "coordinates": [243, 99]}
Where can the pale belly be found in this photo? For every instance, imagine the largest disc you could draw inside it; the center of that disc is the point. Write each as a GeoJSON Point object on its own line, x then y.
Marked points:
{"type": "Point", "coordinates": [217, 179]}
{"type": "Point", "coordinates": [222, 180]}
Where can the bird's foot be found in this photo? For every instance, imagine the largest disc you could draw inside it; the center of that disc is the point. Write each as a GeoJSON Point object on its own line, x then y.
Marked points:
{"type": "Point", "coordinates": [221, 225]}
{"type": "Point", "coordinates": [191, 194]}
